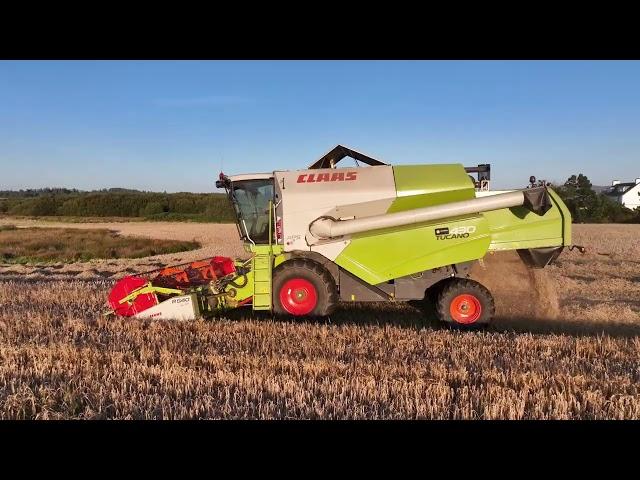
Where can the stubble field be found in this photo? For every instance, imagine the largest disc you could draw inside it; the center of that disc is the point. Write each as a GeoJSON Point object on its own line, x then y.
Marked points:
{"type": "Point", "coordinates": [565, 345]}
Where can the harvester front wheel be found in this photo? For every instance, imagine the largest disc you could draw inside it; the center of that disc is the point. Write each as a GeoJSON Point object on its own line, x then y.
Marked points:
{"type": "Point", "coordinates": [465, 304]}
{"type": "Point", "coordinates": [303, 288]}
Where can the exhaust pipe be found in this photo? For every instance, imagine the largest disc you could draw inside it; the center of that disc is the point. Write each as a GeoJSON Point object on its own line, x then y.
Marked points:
{"type": "Point", "coordinates": [535, 199]}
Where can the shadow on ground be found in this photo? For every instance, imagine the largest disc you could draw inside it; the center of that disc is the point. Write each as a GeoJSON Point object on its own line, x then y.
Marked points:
{"type": "Point", "coordinates": [417, 316]}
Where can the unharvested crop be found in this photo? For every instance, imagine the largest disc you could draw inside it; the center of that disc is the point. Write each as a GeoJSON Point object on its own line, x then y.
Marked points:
{"type": "Point", "coordinates": [67, 245]}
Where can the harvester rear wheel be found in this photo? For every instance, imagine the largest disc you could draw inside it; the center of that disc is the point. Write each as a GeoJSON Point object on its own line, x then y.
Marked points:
{"type": "Point", "coordinates": [465, 304]}
{"type": "Point", "coordinates": [303, 288]}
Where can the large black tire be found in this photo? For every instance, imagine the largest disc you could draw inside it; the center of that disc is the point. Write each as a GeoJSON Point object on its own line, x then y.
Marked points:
{"type": "Point", "coordinates": [465, 304]}
{"type": "Point", "coordinates": [302, 287]}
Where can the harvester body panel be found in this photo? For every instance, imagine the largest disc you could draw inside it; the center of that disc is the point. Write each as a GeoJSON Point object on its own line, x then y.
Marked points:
{"type": "Point", "coordinates": [341, 193]}
{"type": "Point", "coordinates": [426, 185]}
{"type": "Point", "coordinates": [183, 307]}
{"type": "Point", "coordinates": [343, 196]}
{"type": "Point", "coordinates": [518, 228]}
{"type": "Point", "coordinates": [399, 251]}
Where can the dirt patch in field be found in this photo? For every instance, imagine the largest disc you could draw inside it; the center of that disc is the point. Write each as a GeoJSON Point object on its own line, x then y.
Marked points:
{"type": "Point", "coordinates": [68, 245]}
{"type": "Point", "coordinates": [216, 239]}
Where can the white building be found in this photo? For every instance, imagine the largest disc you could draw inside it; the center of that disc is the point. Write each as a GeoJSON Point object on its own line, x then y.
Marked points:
{"type": "Point", "coordinates": [628, 194]}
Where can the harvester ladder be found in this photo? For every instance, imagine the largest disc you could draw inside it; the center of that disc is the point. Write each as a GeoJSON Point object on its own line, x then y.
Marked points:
{"type": "Point", "coordinates": [261, 265]}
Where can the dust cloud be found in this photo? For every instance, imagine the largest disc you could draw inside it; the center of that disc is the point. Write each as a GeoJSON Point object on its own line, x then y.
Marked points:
{"type": "Point", "coordinates": [519, 292]}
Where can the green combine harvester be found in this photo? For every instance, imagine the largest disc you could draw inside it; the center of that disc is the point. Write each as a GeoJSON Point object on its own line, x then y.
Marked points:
{"type": "Point", "coordinates": [369, 233]}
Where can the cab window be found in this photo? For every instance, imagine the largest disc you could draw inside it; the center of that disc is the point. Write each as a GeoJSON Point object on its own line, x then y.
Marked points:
{"type": "Point", "coordinates": [251, 201]}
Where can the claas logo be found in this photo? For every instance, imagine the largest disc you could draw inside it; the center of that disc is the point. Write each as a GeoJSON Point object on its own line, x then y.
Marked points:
{"type": "Point", "coordinates": [327, 177]}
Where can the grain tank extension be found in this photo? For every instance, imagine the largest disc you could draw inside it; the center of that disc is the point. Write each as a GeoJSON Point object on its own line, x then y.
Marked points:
{"type": "Point", "coordinates": [373, 232]}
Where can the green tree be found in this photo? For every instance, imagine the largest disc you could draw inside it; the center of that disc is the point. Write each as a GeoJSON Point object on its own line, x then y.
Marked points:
{"type": "Point", "coordinates": [587, 206]}
{"type": "Point", "coordinates": [581, 199]}
{"type": "Point", "coordinates": [151, 208]}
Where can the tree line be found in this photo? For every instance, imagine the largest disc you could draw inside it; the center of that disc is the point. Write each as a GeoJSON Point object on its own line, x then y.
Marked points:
{"type": "Point", "coordinates": [118, 203]}
{"type": "Point", "coordinates": [39, 192]}
{"type": "Point", "coordinates": [588, 206]}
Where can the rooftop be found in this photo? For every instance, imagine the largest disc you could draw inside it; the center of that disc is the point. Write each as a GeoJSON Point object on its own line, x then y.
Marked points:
{"type": "Point", "coordinates": [620, 188]}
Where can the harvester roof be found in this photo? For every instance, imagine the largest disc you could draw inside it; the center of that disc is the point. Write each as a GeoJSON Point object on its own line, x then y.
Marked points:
{"type": "Point", "coordinates": [336, 154]}
{"type": "Point", "coordinates": [327, 161]}
{"type": "Point", "coordinates": [339, 152]}
{"type": "Point", "coordinates": [250, 176]}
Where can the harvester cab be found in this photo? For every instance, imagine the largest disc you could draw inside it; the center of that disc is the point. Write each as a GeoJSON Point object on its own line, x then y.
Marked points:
{"type": "Point", "coordinates": [252, 198]}
{"type": "Point", "coordinates": [375, 232]}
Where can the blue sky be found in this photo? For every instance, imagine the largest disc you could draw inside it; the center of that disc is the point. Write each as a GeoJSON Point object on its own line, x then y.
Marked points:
{"type": "Point", "coordinates": [160, 125]}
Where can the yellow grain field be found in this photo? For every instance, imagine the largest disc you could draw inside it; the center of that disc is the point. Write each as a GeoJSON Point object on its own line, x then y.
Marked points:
{"type": "Point", "coordinates": [565, 345]}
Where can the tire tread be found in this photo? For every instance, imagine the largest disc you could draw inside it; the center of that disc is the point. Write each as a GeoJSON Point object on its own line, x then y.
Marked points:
{"type": "Point", "coordinates": [327, 294]}
{"type": "Point", "coordinates": [456, 286]}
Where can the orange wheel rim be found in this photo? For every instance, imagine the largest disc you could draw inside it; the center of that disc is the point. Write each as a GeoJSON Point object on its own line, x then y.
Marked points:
{"type": "Point", "coordinates": [465, 309]}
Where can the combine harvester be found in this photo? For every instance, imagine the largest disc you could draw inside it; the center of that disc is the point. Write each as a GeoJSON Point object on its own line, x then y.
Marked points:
{"type": "Point", "coordinates": [362, 234]}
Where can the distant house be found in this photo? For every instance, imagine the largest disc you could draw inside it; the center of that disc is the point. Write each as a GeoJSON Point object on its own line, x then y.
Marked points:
{"type": "Point", "coordinates": [628, 194]}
